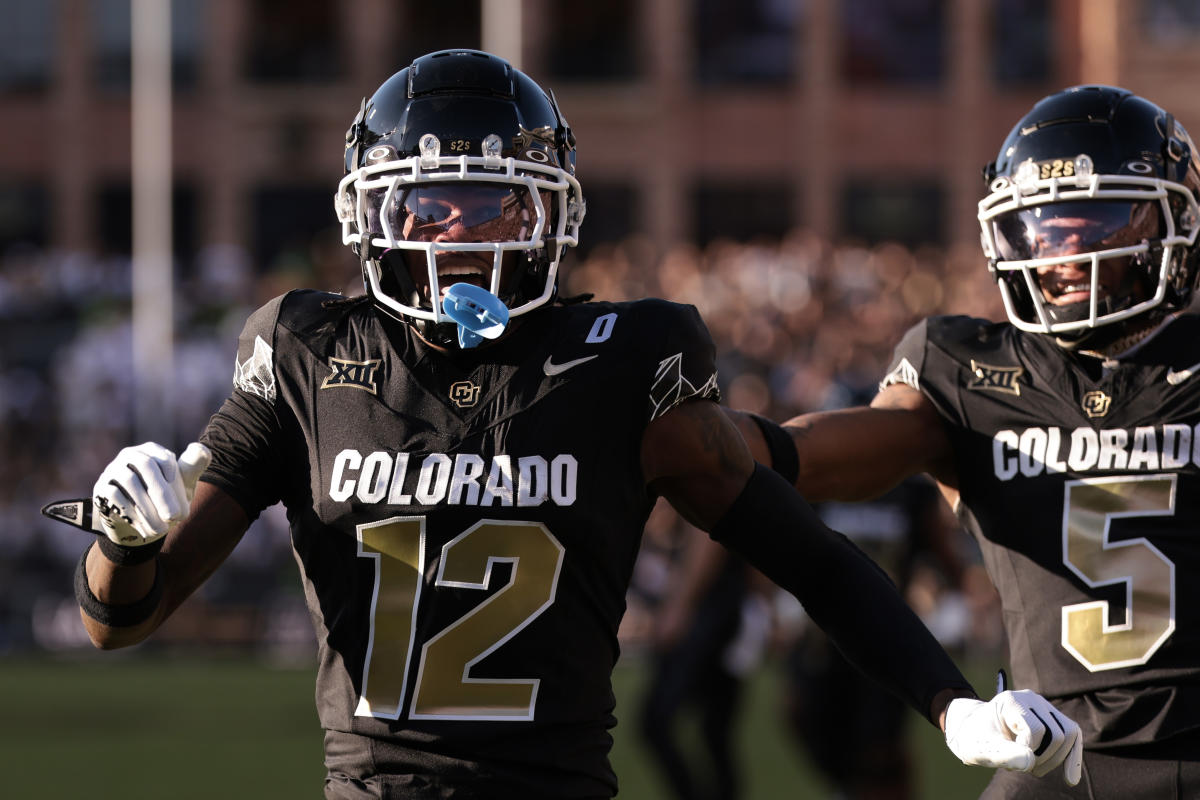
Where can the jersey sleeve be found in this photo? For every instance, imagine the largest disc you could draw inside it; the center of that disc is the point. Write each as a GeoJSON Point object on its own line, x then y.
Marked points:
{"type": "Point", "coordinates": [907, 359]}
{"type": "Point", "coordinates": [245, 434]}
{"type": "Point", "coordinates": [686, 360]}
{"type": "Point", "coordinates": [924, 360]}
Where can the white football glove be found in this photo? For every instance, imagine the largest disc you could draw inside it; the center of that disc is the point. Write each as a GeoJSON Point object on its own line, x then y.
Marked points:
{"type": "Point", "coordinates": [144, 491]}
{"type": "Point", "coordinates": [1018, 730]}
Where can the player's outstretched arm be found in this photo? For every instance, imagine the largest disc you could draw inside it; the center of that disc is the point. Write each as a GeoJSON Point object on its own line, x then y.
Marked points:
{"type": "Point", "coordinates": [694, 456]}
{"type": "Point", "coordinates": [162, 536]}
{"type": "Point", "coordinates": [857, 453]}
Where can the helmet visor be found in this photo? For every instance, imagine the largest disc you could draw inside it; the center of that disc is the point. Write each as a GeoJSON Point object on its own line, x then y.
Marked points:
{"type": "Point", "coordinates": [460, 212]}
{"type": "Point", "coordinates": [1062, 229]}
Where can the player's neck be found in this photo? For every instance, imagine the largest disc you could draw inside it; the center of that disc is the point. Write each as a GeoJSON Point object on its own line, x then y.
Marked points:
{"type": "Point", "coordinates": [1128, 342]}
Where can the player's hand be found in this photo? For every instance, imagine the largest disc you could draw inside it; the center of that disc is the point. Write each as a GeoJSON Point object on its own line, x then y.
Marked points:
{"type": "Point", "coordinates": [1017, 730]}
{"type": "Point", "coordinates": [145, 491]}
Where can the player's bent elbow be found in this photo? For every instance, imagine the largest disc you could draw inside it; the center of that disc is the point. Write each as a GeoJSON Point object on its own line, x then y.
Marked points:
{"type": "Point", "coordinates": [107, 637]}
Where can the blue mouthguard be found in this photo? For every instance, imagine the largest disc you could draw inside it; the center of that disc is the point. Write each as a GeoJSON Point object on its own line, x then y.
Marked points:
{"type": "Point", "coordinates": [479, 313]}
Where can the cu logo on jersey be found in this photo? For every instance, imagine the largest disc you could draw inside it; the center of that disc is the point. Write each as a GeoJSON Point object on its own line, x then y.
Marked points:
{"type": "Point", "coordinates": [464, 394]}
{"type": "Point", "coordinates": [1095, 404]}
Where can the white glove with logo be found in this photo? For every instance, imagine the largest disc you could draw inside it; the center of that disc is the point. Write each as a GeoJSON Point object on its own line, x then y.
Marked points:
{"type": "Point", "coordinates": [1018, 730]}
{"type": "Point", "coordinates": [144, 491]}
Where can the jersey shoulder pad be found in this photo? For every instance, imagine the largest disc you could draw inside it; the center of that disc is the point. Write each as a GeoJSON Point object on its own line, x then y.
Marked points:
{"type": "Point", "coordinates": [299, 311]}
{"type": "Point", "coordinates": [663, 345]}
{"type": "Point", "coordinates": [942, 335]}
{"type": "Point", "coordinates": [959, 328]}
{"type": "Point", "coordinates": [682, 351]}
{"type": "Point", "coordinates": [261, 322]}
{"type": "Point", "coordinates": [639, 324]}
{"type": "Point", "coordinates": [254, 366]}
{"type": "Point", "coordinates": [680, 321]}
{"type": "Point", "coordinates": [1177, 344]}
{"type": "Point", "coordinates": [932, 344]}
{"type": "Point", "coordinates": [304, 311]}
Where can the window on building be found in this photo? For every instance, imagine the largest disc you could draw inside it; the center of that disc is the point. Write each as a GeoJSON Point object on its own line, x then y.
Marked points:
{"type": "Point", "coordinates": [746, 41]}
{"type": "Point", "coordinates": [421, 28]}
{"type": "Point", "coordinates": [112, 32]}
{"type": "Point", "coordinates": [885, 42]}
{"type": "Point", "coordinates": [26, 44]}
{"type": "Point", "coordinates": [742, 210]}
{"type": "Point", "coordinates": [612, 214]}
{"type": "Point", "coordinates": [909, 212]}
{"type": "Point", "coordinates": [304, 50]}
{"type": "Point", "coordinates": [592, 41]}
{"type": "Point", "coordinates": [289, 224]}
{"type": "Point", "coordinates": [114, 221]}
{"type": "Point", "coordinates": [24, 214]}
{"type": "Point", "coordinates": [1020, 34]}
{"type": "Point", "coordinates": [1171, 21]}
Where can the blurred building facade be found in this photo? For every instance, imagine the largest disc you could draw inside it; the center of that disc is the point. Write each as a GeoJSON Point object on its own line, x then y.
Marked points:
{"type": "Point", "coordinates": [855, 119]}
{"type": "Point", "coordinates": [805, 172]}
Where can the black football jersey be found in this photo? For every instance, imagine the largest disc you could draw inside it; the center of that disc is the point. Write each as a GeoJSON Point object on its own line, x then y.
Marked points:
{"type": "Point", "coordinates": [1082, 486]}
{"type": "Point", "coordinates": [465, 527]}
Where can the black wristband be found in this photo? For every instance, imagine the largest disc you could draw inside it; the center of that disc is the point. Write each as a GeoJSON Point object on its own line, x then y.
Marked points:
{"type": "Point", "coordinates": [123, 615]}
{"type": "Point", "coordinates": [784, 458]}
{"type": "Point", "coordinates": [128, 556]}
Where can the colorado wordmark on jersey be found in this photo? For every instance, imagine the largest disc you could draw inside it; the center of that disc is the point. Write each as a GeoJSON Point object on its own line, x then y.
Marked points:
{"type": "Point", "coordinates": [458, 479]}
{"type": "Point", "coordinates": [466, 526]}
{"type": "Point", "coordinates": [1029, 452]}
{"type": "Point", "coordinates": [1081, 483]}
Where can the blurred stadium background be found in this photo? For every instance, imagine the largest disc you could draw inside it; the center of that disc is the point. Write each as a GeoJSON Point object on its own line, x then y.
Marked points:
{"type": "Point", "coordinates": [804, 171]}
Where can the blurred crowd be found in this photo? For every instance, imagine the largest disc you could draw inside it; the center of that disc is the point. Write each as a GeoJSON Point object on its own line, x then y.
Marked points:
{"type": "Point", "coordinates": [800, 324]}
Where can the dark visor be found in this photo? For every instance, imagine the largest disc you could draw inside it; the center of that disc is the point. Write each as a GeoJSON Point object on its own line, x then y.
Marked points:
{"type": "Point", "coordinates": [487, 212]}
{"type": "Point", "coordinates": [1058, 229]}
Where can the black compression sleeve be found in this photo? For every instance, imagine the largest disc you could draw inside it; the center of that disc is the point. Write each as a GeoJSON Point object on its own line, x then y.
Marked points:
{"type": "Point", "coordinates": [844, 592]}
{"type": "Point", "coordinates": [784, 458]}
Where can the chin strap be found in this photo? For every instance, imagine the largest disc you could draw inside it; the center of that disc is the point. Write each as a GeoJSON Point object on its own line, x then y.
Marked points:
{"type": "Point", "coordinates": [479, 313]}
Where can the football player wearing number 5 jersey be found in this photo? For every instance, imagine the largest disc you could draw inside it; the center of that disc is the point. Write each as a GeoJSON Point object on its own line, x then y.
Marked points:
{"type": "Point", "coordinates": [1069, 437]}
{"type": "Point", "coordinates": [467, 462]}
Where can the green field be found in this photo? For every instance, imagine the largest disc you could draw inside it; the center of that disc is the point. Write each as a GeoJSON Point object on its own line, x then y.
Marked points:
{"type": "Point", "coordinates": [129, 726]}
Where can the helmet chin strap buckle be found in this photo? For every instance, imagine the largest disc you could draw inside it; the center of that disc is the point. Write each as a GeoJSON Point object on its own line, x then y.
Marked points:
{"type": "Point", "coordinates": [478, 313]}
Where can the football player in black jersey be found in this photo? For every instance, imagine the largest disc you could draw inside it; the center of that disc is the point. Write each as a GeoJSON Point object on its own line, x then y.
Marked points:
{"type": "Point", "coordinates": [1068, 438]}
{"type": "Point", "coordinates": [467, 464]}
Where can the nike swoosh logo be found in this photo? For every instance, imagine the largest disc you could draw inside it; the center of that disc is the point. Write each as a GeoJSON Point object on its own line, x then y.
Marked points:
{"type": "Point", "coordinates": [550, 368]}
{"type": "Point", "coordinates": [1175, 378]}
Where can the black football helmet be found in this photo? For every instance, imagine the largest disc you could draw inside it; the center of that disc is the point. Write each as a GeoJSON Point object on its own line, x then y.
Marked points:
{"type": "Point", "coordinates": [1091, 174]}
{"type": "Point", "coordinates": [459, 153]}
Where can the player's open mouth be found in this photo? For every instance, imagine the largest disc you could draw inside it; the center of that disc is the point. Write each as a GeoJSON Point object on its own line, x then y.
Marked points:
{"type": "Point", "coordinates": [451, 274]}
{"type": "Point", "coordinates": [1074, 293]}
{"type": "Point", "coordinates": [1068, 289]}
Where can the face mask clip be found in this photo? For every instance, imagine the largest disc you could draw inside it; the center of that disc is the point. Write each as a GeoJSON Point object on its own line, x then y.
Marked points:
{"type": "Point", "coordinates": [479, 313]}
